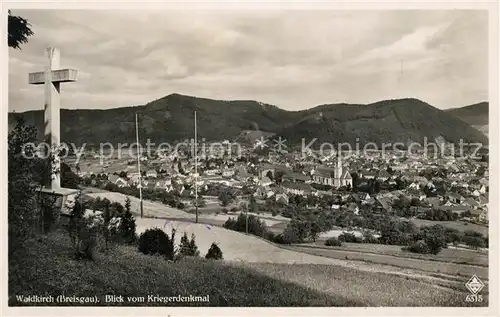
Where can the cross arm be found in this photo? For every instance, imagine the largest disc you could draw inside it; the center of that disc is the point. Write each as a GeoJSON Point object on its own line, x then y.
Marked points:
{"type": "Point", "coordinates": [58, 76]}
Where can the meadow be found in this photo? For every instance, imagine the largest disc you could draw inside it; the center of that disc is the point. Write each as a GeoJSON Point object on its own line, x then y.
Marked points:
{"type": "Point", "coordinates": [459, 225]}
{"type": "Point", "coordinates": [45, 266]}
{"type": "Point", "coordinates": [465, 271]}
{"type": "Point", "coordinates": [450, 255]}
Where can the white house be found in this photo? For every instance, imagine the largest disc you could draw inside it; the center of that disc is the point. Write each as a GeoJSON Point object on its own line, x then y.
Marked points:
{"type": "Point", "coordinates": [151, 173]}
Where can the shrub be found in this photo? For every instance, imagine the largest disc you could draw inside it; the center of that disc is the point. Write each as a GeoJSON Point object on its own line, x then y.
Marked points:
{"type": "Point", "coordinates": [349, 237]}
{"type": "Point", "coordinates": [435, 238]}
{"type": "Point", "coordinates": [83, 231]}
{"type": "Point", "coordinates": [214, 252]}
{"type": "Point", "coordinates": [333, 242]}
{"type": "Point", "coordinates": [276, 238]}
{"type": "Point", "coordinates": [369, 238]}
{"type": "Point", "coordinates": [255, 225]}
{"type": "Point", "coordinates": [188, 247]}
{"type": "Point", "coordinates": [291, 235]}
{"type": "Point", "coordinates": [418, 247]}
{"type": "Point", "coordinates": [474, 241]}
{"type": "Point", "coordinates": [274, 213]}
{"type": "Point", "coordinates": [155, 241]}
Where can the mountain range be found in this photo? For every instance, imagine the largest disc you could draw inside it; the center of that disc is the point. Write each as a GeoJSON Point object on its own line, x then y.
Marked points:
{"type": "Point", "coordinates": [171, 119]}
{"type": "Point", "coordinates": [476, 115]}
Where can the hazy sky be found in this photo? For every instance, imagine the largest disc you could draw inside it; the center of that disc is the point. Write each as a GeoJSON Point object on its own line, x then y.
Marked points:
{"type": "Point", "coordinates": [292, 59]}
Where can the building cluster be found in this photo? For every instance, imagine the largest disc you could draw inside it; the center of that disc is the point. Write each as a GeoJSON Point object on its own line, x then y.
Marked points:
{"type": "Point", "coordinates": [452, 185]}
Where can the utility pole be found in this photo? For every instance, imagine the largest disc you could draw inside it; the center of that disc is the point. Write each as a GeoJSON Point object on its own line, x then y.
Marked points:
{"type": "Point", "coordinates": [139, 162]}
{"type": "Point", "coordinates": [195, 168]}
{"type": "Point", "coordinates": [246, 223]}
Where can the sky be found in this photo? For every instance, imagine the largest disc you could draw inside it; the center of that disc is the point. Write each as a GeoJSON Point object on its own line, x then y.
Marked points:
{"type": "Point", "coordinates": [292, 59]}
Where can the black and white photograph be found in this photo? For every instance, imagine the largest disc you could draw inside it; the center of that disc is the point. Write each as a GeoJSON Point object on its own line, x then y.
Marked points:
{"type": "Point", "coordinates": [258, 157]}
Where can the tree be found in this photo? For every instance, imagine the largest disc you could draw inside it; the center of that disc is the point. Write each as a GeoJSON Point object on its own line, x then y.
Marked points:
{"type": "Point", "coordinates": [22, 180]}
{"type": "Point", "coordinates": [68, 178]}
{"type": "Point", "coordinates": [355, 181]}
{"type": "Point", "coordinates": [214, 252]}
{"type": "Point", "coordinates": [279, 176]}
{"type": "Point", "coordinates": [435, 238]}
{"type": "Point", "coordinates": [155, 241]}
{"type": "Point", "coordinates": [252, 205]}
{"type": "Point", "coordinates": [127, 224]}
{"type": "Point", "coordinates": [188, 247]}
{"type": "Point", "coordinates": [19, 30]}
{"type": "Point", "coordinates": [480, 171]}
{"type": "Point", "coordinates": [225, 198]}
{"type": "Point", "coordinates": [314, 230]}
{"type": "Point", "coordinates": [269, 174]}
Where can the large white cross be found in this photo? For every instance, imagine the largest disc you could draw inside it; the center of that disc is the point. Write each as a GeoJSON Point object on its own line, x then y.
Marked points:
{"type": "Point", "coordinates": [52, 78]}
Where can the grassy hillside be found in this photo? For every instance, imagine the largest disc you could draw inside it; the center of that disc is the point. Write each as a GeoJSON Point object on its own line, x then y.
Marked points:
{"type": "Point", "coordinates": [45, 266]}
{"type": "Point", "coordinates": [171, 118]}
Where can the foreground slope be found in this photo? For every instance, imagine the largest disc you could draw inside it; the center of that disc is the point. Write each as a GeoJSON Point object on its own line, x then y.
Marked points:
{"type": "Point", "coordinates": [45, 266]}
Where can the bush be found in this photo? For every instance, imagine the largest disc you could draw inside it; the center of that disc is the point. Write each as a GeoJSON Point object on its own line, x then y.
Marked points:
{"type": "Point", "coordinates": [255, 225]}
{"type": "Point", "coordinates": [369, 238]}
{"type": "Point", "coordinates": [274, 213]}
{"type": "Point", "coordinates": [474, 242]}
{"type": "Point", "coordinates": [333, 242]}
{"type": "Point", "coordinates": [188, 247]}
{"type": "Point", "coordinates": [435, 238]}
{"type": "Point", "coordinates": [83, 231]}
{"type": "Point", "coordinates": [86, 246]}
{"type": "Point", "coordinates": [155, 241]}
{"type": "Point", "coordinates": [418, 247]}
{"type": "Point", "coordinates": [214, 252]}
{"type": "Point", "coordinates": [276, 238]}
{"type": "Point", "coordinates": [349, 237]}
{"type": "Point", "coordinates": [291, 235]}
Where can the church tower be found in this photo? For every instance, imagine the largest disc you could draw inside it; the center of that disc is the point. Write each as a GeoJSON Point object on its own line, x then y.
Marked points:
{"type": "Point", "coordinates": [338, 172]}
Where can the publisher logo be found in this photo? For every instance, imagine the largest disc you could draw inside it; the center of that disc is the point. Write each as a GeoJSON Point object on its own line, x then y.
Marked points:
{"type": "Point", "coordinates": [474, 285]}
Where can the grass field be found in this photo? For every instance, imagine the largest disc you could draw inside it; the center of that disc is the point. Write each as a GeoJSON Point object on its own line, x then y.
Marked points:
{"type": "Point", "coordinates": [45, 266]}
{"type": "Point", "coordinates": [450, 255]}
{"type": "Point", "coordinates": [460, 226]}
{"type": "Point", "coordinates": [372, 289]}
{"type": "Point", "coordinates": [452, 269]}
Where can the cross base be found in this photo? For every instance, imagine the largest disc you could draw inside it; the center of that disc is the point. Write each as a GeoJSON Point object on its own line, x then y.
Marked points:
{"type": "Point", "coordinates": [61, 199]}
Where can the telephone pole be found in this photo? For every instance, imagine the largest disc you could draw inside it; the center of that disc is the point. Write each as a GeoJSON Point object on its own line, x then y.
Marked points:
{"type": "Point", "coordinates": [195, 168]}
{"type": "Point", "coordinates": [139, 162]}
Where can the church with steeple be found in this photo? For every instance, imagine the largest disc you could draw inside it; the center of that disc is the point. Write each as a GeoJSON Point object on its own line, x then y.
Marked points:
{"type": "Point", "coordinates": [335, 177]}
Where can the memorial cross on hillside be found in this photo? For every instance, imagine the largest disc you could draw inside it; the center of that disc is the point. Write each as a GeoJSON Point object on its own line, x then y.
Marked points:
{"type": "Point", "coordinates": [52, 78]}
